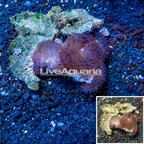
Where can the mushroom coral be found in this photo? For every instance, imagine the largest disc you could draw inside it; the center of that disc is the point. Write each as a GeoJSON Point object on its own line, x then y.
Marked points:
{"type": "Point", "coordinates": [86, 51]}
{"type": "Point", "coordinates": [127, 122]}
{"type": "Point", "coordinates": [36, 44]}
{"type": "Point", "coordinates": [46, 56]}
{"type": "Point", "coordinates": [122, 116]}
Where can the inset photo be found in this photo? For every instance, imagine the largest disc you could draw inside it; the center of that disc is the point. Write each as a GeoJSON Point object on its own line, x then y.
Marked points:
{"type": "Point", "coordinates": [119, 119]}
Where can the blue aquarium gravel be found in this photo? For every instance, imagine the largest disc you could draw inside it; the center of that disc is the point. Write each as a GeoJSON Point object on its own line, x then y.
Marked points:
{"type": "Point", "coordinates": [59, 113]}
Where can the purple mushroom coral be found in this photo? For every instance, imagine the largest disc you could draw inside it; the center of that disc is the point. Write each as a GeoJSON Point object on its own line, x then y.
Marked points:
{"type": "Point", "coordinates": [80, 52]}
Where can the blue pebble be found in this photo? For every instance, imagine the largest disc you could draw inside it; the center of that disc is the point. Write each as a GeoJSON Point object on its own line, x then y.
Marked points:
{"type": "Point", "coordinates": [65, 118]}
{"type": "Point", "coordinates": [26, 96]}
{"type": "Point", "coordinates": [52, 129]}
{"type": "Point", "coordinates": [60, 124]}
{"type": "Point", "coordinates": [1, 111]}
{"type": "Point", "coordinates": [27, 3]}
{"type": "Point", "coordinates": [63, 91]}
{"type": "Point", "coordinates": [1, 13]}
{"type": "Point", "coordinates": [43, 98]}
{"type": "Point", "coordinates": [34, 96]}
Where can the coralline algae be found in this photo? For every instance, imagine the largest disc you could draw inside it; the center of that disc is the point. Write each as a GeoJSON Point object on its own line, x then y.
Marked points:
{"type": "Point", "coordinates": [35, 30]}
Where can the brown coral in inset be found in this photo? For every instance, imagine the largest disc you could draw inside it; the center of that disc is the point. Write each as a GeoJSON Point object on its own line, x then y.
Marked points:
{"type": "Point", "coordinates": [127, 122]}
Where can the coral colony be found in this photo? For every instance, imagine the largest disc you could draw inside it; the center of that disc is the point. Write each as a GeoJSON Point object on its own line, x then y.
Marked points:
{"type": "Point", "coordinates": [127, 122]}
{"type": "Point", "coordinates": [84, 51]}
{"type": "Point", "coordinates": [119, 116]}
{"type": "Point", "coordinates": [43, 52]}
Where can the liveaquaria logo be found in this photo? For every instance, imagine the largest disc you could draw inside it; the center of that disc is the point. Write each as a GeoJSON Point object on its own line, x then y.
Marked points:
{"type": "Point", "coordinates": [65, 72]}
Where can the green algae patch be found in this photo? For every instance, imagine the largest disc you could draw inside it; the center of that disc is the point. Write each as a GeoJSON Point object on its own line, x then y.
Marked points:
{"type": "Point", "coordinates": [38, 15]}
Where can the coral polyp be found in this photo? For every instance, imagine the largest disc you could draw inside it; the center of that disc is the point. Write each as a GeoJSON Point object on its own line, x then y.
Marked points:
{"type": "Point", "coordinates": [86, 52]}
{"type": "Point", "coordinates": [46, 56]}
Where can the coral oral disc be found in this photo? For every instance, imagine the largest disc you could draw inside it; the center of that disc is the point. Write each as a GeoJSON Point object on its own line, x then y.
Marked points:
{"type": "Point", "coordinates": [46, 56]}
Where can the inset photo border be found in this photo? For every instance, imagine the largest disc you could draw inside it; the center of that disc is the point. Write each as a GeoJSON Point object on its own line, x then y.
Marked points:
{"type": "Point", "coordinates": [117, 117]}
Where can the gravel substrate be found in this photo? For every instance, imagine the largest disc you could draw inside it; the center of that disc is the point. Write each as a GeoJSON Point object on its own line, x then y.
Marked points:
{"type": "Point", "coordinates": [59, 112]}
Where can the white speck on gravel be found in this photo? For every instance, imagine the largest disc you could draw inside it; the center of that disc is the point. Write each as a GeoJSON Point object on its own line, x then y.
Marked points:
{"type": "Point", "coordinates": [26, 131]}
{"type": "Point", "coordinates": [53, 124]}
{"type": "Point", "coordinates": [3, 93]}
